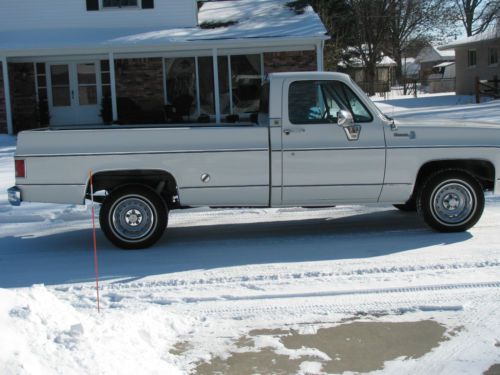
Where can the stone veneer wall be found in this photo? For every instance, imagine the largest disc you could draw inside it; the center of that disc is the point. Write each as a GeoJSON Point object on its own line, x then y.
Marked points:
{"type": "Point", "coordinates": [139, 89]}
{"type": "Point", "coordinates": [300, 61]}
{"type": "Point", "coordinates": [23, 96]}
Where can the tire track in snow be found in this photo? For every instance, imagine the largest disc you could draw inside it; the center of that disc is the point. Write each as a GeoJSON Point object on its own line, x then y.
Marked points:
{"type": "Point", "coordinates": [427, 299]}
{"type": "Point", "coordinates": [298, 275]}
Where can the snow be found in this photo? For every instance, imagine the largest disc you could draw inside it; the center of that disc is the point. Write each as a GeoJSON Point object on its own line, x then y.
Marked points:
{"type": "Point", "coordinates": [440, 106]}
{"type": "Point", "coordinates": [218, 274]}
{"type": "Point", "coordinates": [256, 19]}
{"type": "Point", "coordinates": [488, 35]}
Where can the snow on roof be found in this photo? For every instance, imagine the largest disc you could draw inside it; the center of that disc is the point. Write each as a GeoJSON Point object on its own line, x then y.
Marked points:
{"type": "Point", "coordinates": [357, 62]}
{"type": "Point", "coordinates": [386, 61]}
{"type": "Point", "coordinates": [433, 53]}
{"type": "Point", "coordinates": [491, 34]}
{"type": "Point", "coordinates": [253, 19]}
{"type": "Point", "coordinates": [443, 65]}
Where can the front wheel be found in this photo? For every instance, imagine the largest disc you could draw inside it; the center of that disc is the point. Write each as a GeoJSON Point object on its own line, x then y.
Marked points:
{"type": "Point", "coordinates": [451, 201]}
{"type": "Point", "coordinates": [133, 217]}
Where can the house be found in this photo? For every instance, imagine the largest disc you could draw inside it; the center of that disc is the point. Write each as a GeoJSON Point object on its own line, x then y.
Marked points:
{"type": "Point", "coordinates": [355, 67]}
{"type": "Point", "coordinates": [410, 68]}
{"type": "Point", "coordinates": [67, 62]}
{"type": "Point", "coordinates": [442, 78]}
{"type": "Point", "coordinates": [429, 57]}
{"type": "Point", "coordinates": [476, 57]}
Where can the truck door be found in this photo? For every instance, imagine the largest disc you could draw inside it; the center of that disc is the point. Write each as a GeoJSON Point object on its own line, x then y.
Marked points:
{"type": "Point", "coordinates": [324, 163]}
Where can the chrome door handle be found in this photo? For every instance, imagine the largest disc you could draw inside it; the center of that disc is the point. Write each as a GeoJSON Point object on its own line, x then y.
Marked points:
{"type": "Point", "coordinates": [289, 131]}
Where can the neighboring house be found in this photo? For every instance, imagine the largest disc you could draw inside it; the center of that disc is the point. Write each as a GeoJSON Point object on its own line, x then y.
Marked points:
{"type": "Point", "coordinates": [410, 68]}
{"type": "Point", "coordinates": [476, 57]}
{"type": "Point", "coordinates": [442, 78]}
{"type": "Point", "coordinates": [385, 75]}
{"type": "Point", "coordinates": [146, 61]}
{"type": "Point", "coordinates": [429, 57]}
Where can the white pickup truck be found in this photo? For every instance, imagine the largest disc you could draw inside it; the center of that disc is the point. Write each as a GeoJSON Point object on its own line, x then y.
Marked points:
{"type": "Point", "coordinates": [319, 141]}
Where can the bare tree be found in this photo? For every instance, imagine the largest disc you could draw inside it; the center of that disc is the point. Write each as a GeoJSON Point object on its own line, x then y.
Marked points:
{"type": "Point", "coordinates": [412, 20]}
{"type": "Point", "coordinates": [477, 15]}
{"type": "Point", "coordinates": [371, 26]}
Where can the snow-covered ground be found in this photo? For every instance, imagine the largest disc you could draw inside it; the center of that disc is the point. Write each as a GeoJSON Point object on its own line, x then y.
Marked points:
{"type": "Point", "coordinates": [219, 274]}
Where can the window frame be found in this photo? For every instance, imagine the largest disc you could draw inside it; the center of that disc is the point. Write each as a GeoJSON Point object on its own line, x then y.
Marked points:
{"type": "Point", "coordinates": [490, 55]}
{"type": "Point", "coordinates": [471, 51]}
{"type": "Point", "coordinates": [326, 122]}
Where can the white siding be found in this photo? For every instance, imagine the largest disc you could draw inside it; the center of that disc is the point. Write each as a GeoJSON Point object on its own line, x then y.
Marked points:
{"type": "Point", "coordinates": [50, 14]}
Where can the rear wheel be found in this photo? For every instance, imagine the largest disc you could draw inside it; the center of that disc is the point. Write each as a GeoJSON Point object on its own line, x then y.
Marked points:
{"type": "Point", "coordinates": [451, 201]}
{"type": "Point", "coordinates": [133, 217]}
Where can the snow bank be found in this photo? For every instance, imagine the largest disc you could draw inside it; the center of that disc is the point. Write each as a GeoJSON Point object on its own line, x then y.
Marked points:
{"type": "Point", "coordinates": [43, 335]}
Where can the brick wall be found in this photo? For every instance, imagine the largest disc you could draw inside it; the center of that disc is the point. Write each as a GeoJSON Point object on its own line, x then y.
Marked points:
{"type": "Point", "coordinates": [3, 117]}
{"type": "Point", "coordinates": [300, 61]}
{"type": "Point", "coordinates": [23, 96]}
{"type": "Point", "coordinates": [139, 89]}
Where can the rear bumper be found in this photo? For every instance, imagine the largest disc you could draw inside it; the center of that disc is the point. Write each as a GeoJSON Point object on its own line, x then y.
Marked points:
{"type": "Point", "coordinates": [14, 195]}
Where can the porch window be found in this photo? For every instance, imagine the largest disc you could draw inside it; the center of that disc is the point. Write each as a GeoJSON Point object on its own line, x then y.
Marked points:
{"type": "Point", "coordinates": [246, 78]}
{"type": "Point", "coordinates": [181, 85]}
{"type": "Point", "coordinates": [119, 3]}
{"type": "Point", "coordinates": [190, 81]}
{"type": "Point", "coordinates": [492, 56]}
{"type": "Point", "coordinates": [472, 58]}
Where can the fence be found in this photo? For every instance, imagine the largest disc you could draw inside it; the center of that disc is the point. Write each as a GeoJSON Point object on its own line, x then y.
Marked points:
{"type": "Point", "coordinates": [489, 88]}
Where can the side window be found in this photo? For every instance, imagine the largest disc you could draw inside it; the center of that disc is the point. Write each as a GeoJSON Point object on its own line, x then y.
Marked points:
{"type": "Point", "coordinates": [318, 102]}
{"type": "Point", "coordinates": [305, 104]}
{"type": "Point", "coordinates": [356, 106]}
{"type": "Point", "coordinates": [312, 102]}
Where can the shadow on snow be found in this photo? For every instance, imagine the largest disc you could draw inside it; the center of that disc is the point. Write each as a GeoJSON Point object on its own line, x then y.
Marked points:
{"type": "Point", "coordinates": [67, 257]}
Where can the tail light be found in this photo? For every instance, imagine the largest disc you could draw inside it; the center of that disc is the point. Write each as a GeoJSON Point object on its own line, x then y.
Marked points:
{"type": "Point", "coordinates": [20, 169]}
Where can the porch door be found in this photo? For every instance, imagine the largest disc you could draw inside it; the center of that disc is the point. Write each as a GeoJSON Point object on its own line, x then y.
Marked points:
{"type": "Point", "coordinates": [74, 93]}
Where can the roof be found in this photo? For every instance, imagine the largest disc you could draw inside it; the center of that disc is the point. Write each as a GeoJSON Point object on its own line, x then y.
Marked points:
{"type": "Point", "coordinates": [356, 62]}
{"type": "Point", "coordinates": [486, 36]}
{"type": "Point", "coordinates": [253, 20]}
{"type": "Point", "coordinates": [444, 65]}
{"type": "Point", "coordinates": [433, 54]}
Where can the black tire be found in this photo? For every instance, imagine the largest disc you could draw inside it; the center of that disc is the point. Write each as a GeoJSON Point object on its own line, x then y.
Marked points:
{"type": "Point", "coordinates": [451, 201]}
{"type": "Point", "coordinates": [133, 217]}
{"type": "Point", "coordinates": [410, 206]}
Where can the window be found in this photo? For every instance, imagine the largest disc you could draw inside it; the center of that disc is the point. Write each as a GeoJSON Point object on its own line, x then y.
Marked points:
{"type": "Point", "coordinates": [240, 80]}
{"type": "Point", "coordinates": [318, 102]}
{"type": "Point", "coordinates": [492, 56]}
{"type": "Point", "coordinates": [181, 84]}
{"type": "Point", "coordinates": [246, 79]}
{"type": "Point", "coordinates": [119, 3]}
{"type": "Point", "coordinates": [472, 58]}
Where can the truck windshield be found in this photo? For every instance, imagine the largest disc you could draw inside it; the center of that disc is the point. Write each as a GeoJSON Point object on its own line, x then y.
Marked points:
{"type": "Point", "coordinates": [384, 116]}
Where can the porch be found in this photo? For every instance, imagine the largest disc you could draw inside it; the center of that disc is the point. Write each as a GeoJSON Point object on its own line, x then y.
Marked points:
{"type": "Point", "coordinates": [154, 76]}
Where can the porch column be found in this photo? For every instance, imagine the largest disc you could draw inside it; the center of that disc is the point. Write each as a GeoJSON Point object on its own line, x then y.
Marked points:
{"type": "Point", "coordinates": [215, 62]}
{"type": "Point", "coordinates": [320, 56]}
{"type": "Point", "coordinates": [6, 90]}
{"type": "Point", "coordinates": [114, 104]}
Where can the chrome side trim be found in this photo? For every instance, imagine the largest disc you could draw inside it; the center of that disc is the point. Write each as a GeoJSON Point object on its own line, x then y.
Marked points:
{"type": "Point", "coordinates": [142, 153]}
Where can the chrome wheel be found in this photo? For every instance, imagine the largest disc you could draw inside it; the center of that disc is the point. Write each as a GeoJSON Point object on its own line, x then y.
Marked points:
{"type": "Point", "coordinates": [453, 202]}
{"type": "Point", "coordinates": [132, 218]}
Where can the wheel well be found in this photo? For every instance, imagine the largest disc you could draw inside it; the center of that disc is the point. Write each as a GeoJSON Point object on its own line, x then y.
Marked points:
{"type": "Point", "coordinates": [160, 181]}
{"type": "Point", "coordinates": [483, 170]}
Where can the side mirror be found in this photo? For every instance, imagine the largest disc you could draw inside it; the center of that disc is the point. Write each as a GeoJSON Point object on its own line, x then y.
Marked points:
{"type": "Point", "coordinates": [345, 119]}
